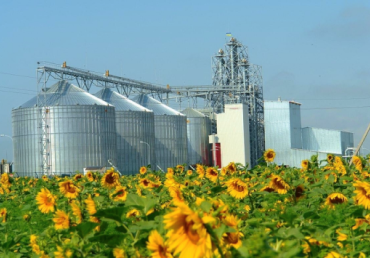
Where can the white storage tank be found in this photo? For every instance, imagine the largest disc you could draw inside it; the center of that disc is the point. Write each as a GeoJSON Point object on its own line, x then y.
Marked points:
{"type": "Point", "coordinates": [135, 132]}
{"type": "Point", "coordinates": [170, 133]}
{"type": "Point", "coordinates": [198, 131]}
{"type": "Point", "coordinates": [72, 130]}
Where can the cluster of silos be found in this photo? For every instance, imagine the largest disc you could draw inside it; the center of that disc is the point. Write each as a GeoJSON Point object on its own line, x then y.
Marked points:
{"type": "Point", "coordinates": [198, 130]}
{"type": "Point", "coordinates": [72, 130]}
{"type": "Point", "coordinates": [170, 133]}
{"type": "Point", "coordinates": [135, 132]}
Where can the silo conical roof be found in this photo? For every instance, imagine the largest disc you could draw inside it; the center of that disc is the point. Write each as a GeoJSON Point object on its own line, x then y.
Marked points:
{"type": "Point", "coordinates": [120, 102]}
{"type": "Point", "coordinates": [189, 112]}
{"type": "Point", "coordinates": [155, 105]}
{"type": "Point", "coordinates": [63, 93]}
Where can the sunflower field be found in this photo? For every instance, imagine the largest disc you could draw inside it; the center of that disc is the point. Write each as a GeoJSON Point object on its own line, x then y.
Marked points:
{"type": "Point", "coordinates": [321, 210]}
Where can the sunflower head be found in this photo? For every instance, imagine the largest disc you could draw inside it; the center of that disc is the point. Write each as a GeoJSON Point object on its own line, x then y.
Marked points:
{"type": "Point", "coordinates": [305, 164]}
{"type": "Point", "coordinates": [362, 194]}
{"type": "Point", "coordinates": [68, 189]}
{"type": "Point", "coordinates": [89, 176]}
{"type": "Point", "coordinates": [231, 167]}
{"type": "Point", "coordinates": [187, 234]}
{"type": "Point", "coordinates": [133, 213]}
{"type": "Point", "coordinates": [46, 201]}
{"type": "Point", "coordinates": [143, 170]}
{"type": "Point", "coordinates": [299, 192]}
{"type": "Point", "coordinates": [237, 188]}
{"type": "Point", "coordinates": [330, 158]}
{"type": "Point", "coordinates": [357, 162]}
{"type": "Point", "coordinates": [200, 170]}
{"type": "Point", "coordinates": [212, 174]}
{"type": "Point", "coordinates": [61, 220]}
{"type": "Point", "coordinates": [180, 168]}
{"type": "Point", "coordinates": [269, 155]}
{"type": "Point", "coordinates": [157, 246]}
{"type": "Point", "coordinates": [110, 179]}
{"type": "Point", "coordinates": [279, 184]}
{"type": "Point", "coordinates": [334, 199]}
{"type": "Point", "coordinates": [120, 194]}
{"type": "Point", "coordinates": [77, 177]}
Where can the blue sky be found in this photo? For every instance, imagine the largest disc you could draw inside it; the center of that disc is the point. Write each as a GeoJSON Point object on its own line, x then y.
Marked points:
{"type": "Point", "coordinates": [313, 52]}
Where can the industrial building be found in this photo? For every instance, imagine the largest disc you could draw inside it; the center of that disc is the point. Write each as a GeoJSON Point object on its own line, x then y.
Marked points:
{"type": "Point", "coordinates": [198, 131]}
{"type": "Point", "coordinates": [292, 143]}
{"type": "Point", "coordinates": [61, 130]}
{"type": "Point", "coordinates": [170, 133]}
{"type": "Point", "coordinates": [135, 132]}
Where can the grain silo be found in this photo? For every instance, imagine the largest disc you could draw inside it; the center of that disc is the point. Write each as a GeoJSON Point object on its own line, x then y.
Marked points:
{"type": "Point", "coordinates": [135, 132]}
{"type": "Point", "coordinates": [199, 128]}
{"type": "Point", "coordinates": [71, 130]}
{"type": "Point", "coordinates": [170, 133]}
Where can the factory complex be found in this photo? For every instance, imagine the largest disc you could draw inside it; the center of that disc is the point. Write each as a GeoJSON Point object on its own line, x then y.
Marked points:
{"type": "Point", "coordinates": [129, 124]}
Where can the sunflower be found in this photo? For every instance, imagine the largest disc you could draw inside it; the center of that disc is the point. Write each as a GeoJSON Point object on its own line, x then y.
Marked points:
{"type": "Point", "coordinates": [335, 198]}
{"type": "Point", "coordinates": [361, 221]}
{"type": "Point", "coordinates": [267, 188]}
{"type": "Point", "coordinates": [45, 200]}
{"type": "Point", "coordinates": [90, 205]}
{"type": "Point", "coordinates": [338, 165]}
{"type": "Point", "coordinates": [333, 254]}
{"type": "Point", "coordinates": [298, 193]}
{"type": "Point", "coordinates": [68, 189]}
{"type": "Point", "coordinates": [63, 253]}
{"type": "Point", "coordinates": [189, 172]}
{"type": "Point", "coordinates": [118, 253]}
{"type": "Point", "coordinates": [120, 194]}
{"type": "Point", "coordinates": [357, 162]}
{"type": "Point", "coordinates": [231, 167]}
{"type": "Point", "coordinates": [269, 155]}
{"type": "Point", "coordinates": [146, 183]}
{"type": "Point", "coordinates": [143, 170]}
{"type": "Point", "coordinates": [76, 211]}
{"type": "Point", "coordinates": [176, 194]}
{"type": "Point", "coordinates": [305, 164]}
{"type": "Point", "coordinates": [187, 235]}
{"type": "Point", "coordinates": [110, 179]}
{"type": "Point", "coordinates": [279, 184]}
{"type": "Point", "coordinates": [330, 158]}
{"type": "Point", "coordinates": [170, 173]}
{"type": "Point", "coordinates": [341, 236]}
{"type": "Point", "coordinates": [237, 188]}
{"type": "Point", "coordinates": [61, 220]}
{"type": "Point", "coordinates": [77, 177]}
{"type": "Point", "coordinates": [90, 176]}
{"type": "Point", "coordinates": [212, 174]}
{"type": "Point", "coordinates": [133, 213]}
{"type": "Point", "coordinates": [3, 213]}
{"type": "Point", "coordinates": [180, 168]}
{"type": "Point", "coordinates": [157, 246]}
{"type": "Point", "coordinates": [45, 178]}
{"type": "Point", "coordinates": [200, 170]}
{"type": "Point", "coordinates": [362, 194]}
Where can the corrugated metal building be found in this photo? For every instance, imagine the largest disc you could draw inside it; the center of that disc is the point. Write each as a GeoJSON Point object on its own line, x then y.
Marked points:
{"type": "Point", "coordinates": [291, 142]}
{"type": "Point", "coordinates": [135, 132]}
{"type": "Point", "coordinates": [81, 131]}
{"type": "Point", "coordinates": [199, 128]}
{"type": "Point", "coordinates": [170, 133]}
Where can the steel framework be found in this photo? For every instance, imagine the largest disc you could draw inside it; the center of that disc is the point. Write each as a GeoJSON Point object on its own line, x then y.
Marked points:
{"type": "Point", "coordinates": [234, 80]}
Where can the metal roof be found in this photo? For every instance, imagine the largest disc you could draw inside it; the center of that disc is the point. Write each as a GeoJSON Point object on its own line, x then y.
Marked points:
{"type": "Point", "coordinates": [120, 102]}
{"type": "Point", "coordinates": [64, 93]}
{"type": "Point", "coordinates": [155, 105]}
{"type": "Point", "coordinates": [189, 112]}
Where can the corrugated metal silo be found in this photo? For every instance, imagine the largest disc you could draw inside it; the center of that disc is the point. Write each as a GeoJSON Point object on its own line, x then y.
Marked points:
{"type": "Point", "coordinates": [80, 127]}
{"type": "Point", "coordinates": [135, 132]}
{"type": "Point", "coordinates": [199, 128]}
{"type": "Point", "coordinates": [170, 133]}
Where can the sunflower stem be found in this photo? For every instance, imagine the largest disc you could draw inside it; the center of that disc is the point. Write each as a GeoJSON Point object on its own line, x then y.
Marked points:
{"type": "Point", "coordinates": [251, 200]}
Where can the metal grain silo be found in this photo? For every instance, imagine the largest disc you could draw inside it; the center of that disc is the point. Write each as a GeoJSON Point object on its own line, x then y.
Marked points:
{"type": "Point", "coordinates": [135, 132]}
{"type": "Point", "coordinates": [170, 133]}
{"type": "Point", "coordinates": [199, 128]}
{"type": "Point", "coordinates": [70, 131]}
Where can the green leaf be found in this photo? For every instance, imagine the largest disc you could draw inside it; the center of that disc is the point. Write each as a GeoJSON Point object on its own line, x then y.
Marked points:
{"type": "Point", "coordinates": [85, 228]}
{"type": "Point", "coordinates": [111, 213]}
{"type": "Point", "coordinates": [206, 206]}
{"type": "Point", "coordinates": [111, 240]}
{"type": "Point", "coordinates": [134, 200]}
